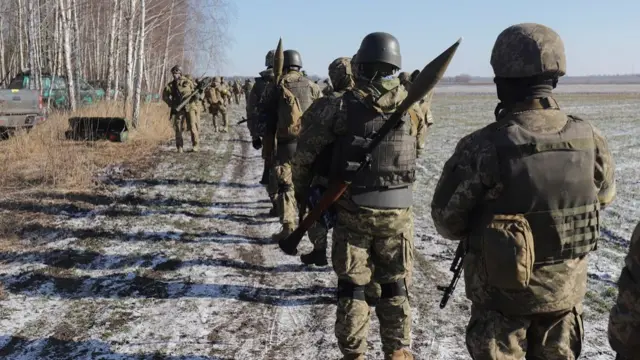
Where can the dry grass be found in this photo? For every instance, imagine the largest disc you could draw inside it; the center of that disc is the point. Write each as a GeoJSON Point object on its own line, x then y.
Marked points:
{"type": "Point", "coordinates": [43, 159]}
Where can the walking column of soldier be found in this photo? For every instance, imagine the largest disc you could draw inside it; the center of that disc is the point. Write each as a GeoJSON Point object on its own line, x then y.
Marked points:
{"type": "Point", "coordinates": [523, 195]}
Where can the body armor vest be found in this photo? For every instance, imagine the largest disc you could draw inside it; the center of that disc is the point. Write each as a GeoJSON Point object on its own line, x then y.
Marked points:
{"type": "Point", "coordinates": [300, 87]}
{"type": "Point", "coordinates": [549, 179]}
{"type": "Point", "coordinates": [386, 181]}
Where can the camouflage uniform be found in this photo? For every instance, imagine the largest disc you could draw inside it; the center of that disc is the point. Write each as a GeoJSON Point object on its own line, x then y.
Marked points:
{"type": "Point", "coordinates": [281, 172]}
{"type": "Point", "coordinates": [246, 88]}
{"type": "Point", "coordinates": [340, 74]}
{"type": "Point", "coordinates": [215, 97]}
{"type": "Point", "coordinates": [172, 95]}
{"type": "Point", "coordinates": [328, 89]}
{"type": "Point", "coordinates": [364, 237]}
{"type": "Point", "coordinates": [237, 90]}
{"type": "Point", "coordinates": [624, 320]}
{"type": "Point", "coordinates": [526, 289]}
{"type": "Point", "coordinates": [255, 101]}
{"type": "Point", "coordinates": [420, 124]}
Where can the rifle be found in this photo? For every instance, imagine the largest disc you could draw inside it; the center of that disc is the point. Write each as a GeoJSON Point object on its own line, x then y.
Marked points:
{"type": "Point", "coordinates": [456, 268]}
{"type": "Point", "coordinates": [200, 87]}
{"type": "Point", "coordinates": [428, 78]}
{"type": "Point", "coordinates": [242, 121]}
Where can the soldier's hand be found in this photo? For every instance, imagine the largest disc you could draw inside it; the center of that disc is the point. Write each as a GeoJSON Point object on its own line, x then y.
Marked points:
{"type": "Point", "coordinates": [257, 143]}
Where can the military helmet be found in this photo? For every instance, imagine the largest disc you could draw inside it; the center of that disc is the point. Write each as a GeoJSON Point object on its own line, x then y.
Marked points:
{"type": "Point", "coordinates": [380, 47]}
{"type": "Point", "coordinates": [177, 69]}
{"type": "Point", "coordinates": [268, 60]}
{"type": "Point", "coordinates": [292, 58]}
{"type": "Point", "coordinates": [527, 50]}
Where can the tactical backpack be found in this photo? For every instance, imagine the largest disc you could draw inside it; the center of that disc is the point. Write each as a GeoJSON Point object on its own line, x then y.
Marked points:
{"type": "Point", "coordinates": [289, 114]}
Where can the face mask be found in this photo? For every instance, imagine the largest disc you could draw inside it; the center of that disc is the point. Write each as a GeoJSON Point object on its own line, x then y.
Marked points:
{"type": "Point", "coordinates": [176, 76]}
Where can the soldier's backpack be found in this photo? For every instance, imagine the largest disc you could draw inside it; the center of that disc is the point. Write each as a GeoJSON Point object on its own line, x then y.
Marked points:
{"type": "Point", "coordinates": [289, 114]}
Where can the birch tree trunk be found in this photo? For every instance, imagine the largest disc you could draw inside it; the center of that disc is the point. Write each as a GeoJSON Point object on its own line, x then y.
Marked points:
{"type": "Point", "coordinates": [3, 65]}
{"type": "Point", "coordinates": [31, 42]}
{"type": "Point", "coordinates": [73, 22]}
{"type": "Point", "coordinates": [130, 59]}
{"type": "Point", "coordinates": [116, 76]}
{"type": "Point", "coordinates": [112, 48]}
{"type": "Point", "coordinates": [65, 20]}
{"type": "Point", "coordinates": [20, 37]}
{"type": "Point", "coordinates": [165, 58]}
{"type": "Point", "coordinates": [140, 70]}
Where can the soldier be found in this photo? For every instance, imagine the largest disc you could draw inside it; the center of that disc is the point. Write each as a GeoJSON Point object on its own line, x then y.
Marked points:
{"type": "Point", "coordinates": [215, 97]}
{"type": "Point", "coordinates": [425, 102]}
{"type": "Point", "coordinates": [285, 103]}
{"type": "Point", "coordinates": [328, 89]}
{"type": "Point", "coordinates": [524, 195]}
{"type": "Point", "coordinates": [237, 90]}
{"type": "Point", "coordinates": [624, 320]}
{"type": "Point", "coordinates": [341, 75]}
{"type": "Point", "coordinates": [246, 88]}
{"type": "Point", "coordinates": [374, 218]}
{"type": "Point", "coordinates": [257, 126]}
{"type": "Point", "coordinates": [174, 93]}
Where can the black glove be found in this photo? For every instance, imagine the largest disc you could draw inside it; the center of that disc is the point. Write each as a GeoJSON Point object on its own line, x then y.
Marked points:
{"type": "Point", "coordinates": [257, 143]}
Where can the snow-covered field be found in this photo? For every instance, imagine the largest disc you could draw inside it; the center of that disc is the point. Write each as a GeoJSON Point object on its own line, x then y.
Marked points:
{"type": "Point", "coordinates": [176, 262]}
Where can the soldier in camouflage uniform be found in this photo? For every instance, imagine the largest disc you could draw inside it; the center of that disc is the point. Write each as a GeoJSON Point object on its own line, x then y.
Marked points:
{"type": "Point", "coordinates": [257, 126]}
{"type": "Point", "coordinates": [374, 217]}
{"type": "Point", "coordinates": [174, 93]}
{"type": "Point", "coordinates": [305, 91]}
{"type": "Point", "coordinates": [237, 90]}
{"type": "Point", "coordinates": [624, 320]}
{"type": "Point", "coordinates": [425, 103]}
{"type": "Point", "coordinates": [328, 89]}
{"type": "Point", "coordinates": [215, 97]}
{"type": "Point", "coordinates": [341, 76]}
{"type": "Point", "coordinates": [246, 88]}
{"type": "Point", "coordinates": [524, 195]}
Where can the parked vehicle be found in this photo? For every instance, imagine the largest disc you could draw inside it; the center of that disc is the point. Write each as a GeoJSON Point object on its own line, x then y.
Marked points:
{"type": "Point", "coordinates": [56, 92]}
{"type": "Point", "coordinates": [20, 109]}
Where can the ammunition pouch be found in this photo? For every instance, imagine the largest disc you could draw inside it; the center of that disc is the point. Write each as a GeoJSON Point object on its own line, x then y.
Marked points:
{"type": "Point", "coordinates": [350, 290]}
{"type": "Point", "coordinates": [506, 248]}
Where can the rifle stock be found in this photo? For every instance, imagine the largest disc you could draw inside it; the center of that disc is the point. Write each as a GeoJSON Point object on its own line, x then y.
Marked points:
{"type": "Point", "coordinates": [425, 82]}
{"type": "Point", "coordinates": [290, 244]}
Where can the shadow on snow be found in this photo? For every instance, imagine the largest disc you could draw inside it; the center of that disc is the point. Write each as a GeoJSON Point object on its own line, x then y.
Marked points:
{"type": "Point", "coordinates": [51, 348]}
{"type": "Point", "coordinates": [36, 284]}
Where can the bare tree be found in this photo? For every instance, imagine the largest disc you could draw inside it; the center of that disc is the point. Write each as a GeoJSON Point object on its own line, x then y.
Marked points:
{"type": "Point", "coordinates": [112, 47]}
{"type": "Point", "coordinates": [140, 70]}
{"type": "Point", "coordinates": [65, 20]}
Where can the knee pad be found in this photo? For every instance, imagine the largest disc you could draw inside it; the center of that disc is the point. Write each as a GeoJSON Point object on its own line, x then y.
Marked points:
{"type": "Point", "coordinates": [350, 290]}
{"type": "Point", "coordinates": [397, 288]}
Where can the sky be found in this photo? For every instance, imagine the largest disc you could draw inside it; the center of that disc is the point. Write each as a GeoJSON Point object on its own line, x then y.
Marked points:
{"type": "Point", "coordinates": [600, 37]}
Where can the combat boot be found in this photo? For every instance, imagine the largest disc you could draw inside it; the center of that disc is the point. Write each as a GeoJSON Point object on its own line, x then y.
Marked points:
{"type": "Point", "coordinates": [180, 150]}
{"type": "Point", "coordinates": [196, 148]}
{"type": "Point", "coordinates": [401, 354]}
{"type": "Point", "coordinates": [316, 257]}
{"type": "Point", "coordinates": [287, 229]}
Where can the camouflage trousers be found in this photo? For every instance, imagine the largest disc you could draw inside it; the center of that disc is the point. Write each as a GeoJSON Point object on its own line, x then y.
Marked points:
{"type": "Point", "coordinates": [222, 111]}
{"type": "Point", "coordinates": [190, 119]}
{"type": "Point", "coordinates": [284, 197]}
{"type": "Point", "coordinates": [236, 97]}
{"type": "Point", "coordinates": [624, 318]}
{"type": "Point", "coordinates": [371, 244]}
{"type": "Point", "coordinates": [494, 336]}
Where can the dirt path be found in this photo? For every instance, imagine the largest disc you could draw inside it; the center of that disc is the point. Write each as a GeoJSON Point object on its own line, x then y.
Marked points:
{"type": "Point", "coordinates": [176, 262]}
